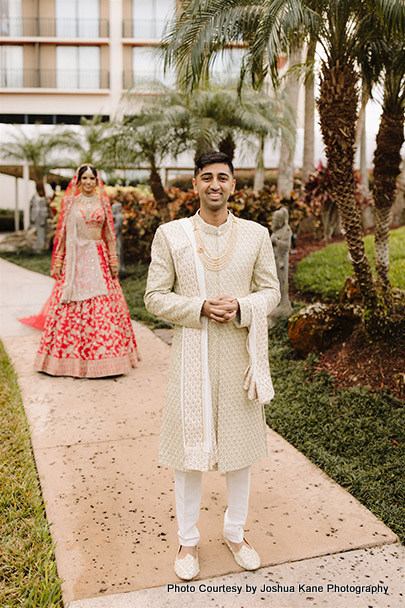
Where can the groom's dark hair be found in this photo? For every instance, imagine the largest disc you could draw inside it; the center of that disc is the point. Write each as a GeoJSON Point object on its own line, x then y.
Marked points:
{"type": "Point", "coordinates": [211, 157]}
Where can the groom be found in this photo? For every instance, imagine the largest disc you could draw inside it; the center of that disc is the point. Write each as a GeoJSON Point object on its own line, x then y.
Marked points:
{"type": "Point", "coordinates": [213, 276]}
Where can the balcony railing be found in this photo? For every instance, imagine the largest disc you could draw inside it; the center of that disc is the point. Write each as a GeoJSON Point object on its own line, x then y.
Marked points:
{"type": "Point", "coordinates": [51, 27]}
{"type": "Point", "coordinates": [149, 29]}
{"type": "Point", "coordinates": [54, 79]}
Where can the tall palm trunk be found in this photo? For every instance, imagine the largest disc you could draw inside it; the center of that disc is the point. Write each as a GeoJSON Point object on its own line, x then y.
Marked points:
{"type": "Point", "coordinates": [259, 172]}
{"type": "Point", "coordinates": [158, 192]}
{"type": "Point", "coordinates": [361, 135]}
{"type": "Point", "coordinates": [387, 162]}
{"type": "Point", "coordinates": [309, 119]}
{"type": "Point", "coordinates": [285, 180]}
{"type": "Point", "coordinates": [337, 105]}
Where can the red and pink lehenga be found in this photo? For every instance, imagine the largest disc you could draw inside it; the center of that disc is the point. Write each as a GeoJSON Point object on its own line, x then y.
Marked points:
{"type": "Point", "coordinates": [88, 330]}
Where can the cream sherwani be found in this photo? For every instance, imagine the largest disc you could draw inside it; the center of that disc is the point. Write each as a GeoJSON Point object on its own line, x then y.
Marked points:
{"type": "Point", "coordinates": [239, 425]}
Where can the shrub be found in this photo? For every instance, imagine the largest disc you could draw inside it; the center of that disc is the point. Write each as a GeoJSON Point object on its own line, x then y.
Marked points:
{"type": "Point", "coordinates": [142, 217]}
{"type": "Point", "coordinates": [318, 198]}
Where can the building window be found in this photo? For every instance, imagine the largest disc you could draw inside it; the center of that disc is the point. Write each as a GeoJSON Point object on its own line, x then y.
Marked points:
{"type": "Point", "coordinates": [77, 18]}
{"type": "Point", "coordinates": [11, 18]}
{"type": "Point", "coordinates": [11, 66]}
{"type": "Point", "coordinates": [149, 17]}
{"type": "Point", "coordinates": [148, 66]}
{"type": "Point", "coordinates": [78, 67]}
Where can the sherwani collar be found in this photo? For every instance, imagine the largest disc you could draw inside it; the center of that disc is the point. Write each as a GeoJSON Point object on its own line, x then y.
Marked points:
{"type": "Point", "coordinates": [215, 230]}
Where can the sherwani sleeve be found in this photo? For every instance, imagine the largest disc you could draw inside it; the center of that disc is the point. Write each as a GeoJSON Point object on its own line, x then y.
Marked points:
{"type": "Point", "coordinates": [264, 282]}
{"type": "Point", "coordinates": [160, 299]}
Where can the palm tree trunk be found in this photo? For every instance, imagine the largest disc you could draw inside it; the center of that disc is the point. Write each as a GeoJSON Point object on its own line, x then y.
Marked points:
{"type": "Point", "coordinates": [159, 193]}
{"type": "Point", "coordinates": [337, 105]}
{"type": "Point", "coordinates": [387, 163]}
{"type": "Point", "coordinates": [382, 217]}
{"type": "Point", "coordinates": [309, 119]}
{"type": "Point", "coordinates": [259, 173]}
{"type": "Point", "coordinates": [227, 145]}
{"type": "Point", "coordinates": [361, 135]}
{"type": "Point", "coordinates": [285, 179]}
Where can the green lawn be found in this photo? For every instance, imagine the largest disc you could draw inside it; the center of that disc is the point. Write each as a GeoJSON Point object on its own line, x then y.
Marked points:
{"type": "Point", "coordinates": [323, 272]}
{"type": "Point", "coordinates": [28, 574]}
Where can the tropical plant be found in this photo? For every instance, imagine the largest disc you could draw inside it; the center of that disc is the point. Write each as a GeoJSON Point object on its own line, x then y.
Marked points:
{"type": "Point", "coordinates": [148, 137]}
{"type": "Point", "coordinates": [88, 143]}
{"type": "Point", "coordinates": [385, 64]}
{"type": "Point", "coordinates": [270, 28]}
{"type": "Point", "coordinates": [211, 117]}
{"type": "Point", "coordinates": [37, 150]}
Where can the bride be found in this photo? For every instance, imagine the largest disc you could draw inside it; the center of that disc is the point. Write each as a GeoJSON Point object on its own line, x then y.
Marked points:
{"type": "Point", "coordinates": [88, 330]}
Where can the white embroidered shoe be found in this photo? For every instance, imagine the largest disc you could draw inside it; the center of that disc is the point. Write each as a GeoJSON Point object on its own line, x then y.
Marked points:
{"type": "Point", "coordinates": [187, 567]}
{"type": "Point", "coordinates": [246, 557]}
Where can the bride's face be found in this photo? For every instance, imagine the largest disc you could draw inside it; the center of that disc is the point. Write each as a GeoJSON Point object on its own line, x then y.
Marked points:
{"type": "Point", "coordinates": [88, 183]}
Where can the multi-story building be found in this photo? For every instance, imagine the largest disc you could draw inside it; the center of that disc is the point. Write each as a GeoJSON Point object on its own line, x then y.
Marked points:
{"type": "Point", "coordinates": [63, 59]}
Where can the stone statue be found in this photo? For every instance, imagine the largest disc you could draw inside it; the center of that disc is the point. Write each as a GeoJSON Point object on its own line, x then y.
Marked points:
{"type": "Point", "coordinates": [118, 224]}
{"type": "Point", "coordinates": [40, 216]}
{"type": "Point", "coordinates": [34, 205]}
{"type": "Point", "coordinates": [281, 240]}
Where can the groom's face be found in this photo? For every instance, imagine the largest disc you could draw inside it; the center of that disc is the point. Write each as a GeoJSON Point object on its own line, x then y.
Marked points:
{"type": "Point", "coordinates": [214, 184]}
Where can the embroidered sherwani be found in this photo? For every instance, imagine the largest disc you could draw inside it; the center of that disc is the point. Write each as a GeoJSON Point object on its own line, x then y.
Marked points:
{"type": "Point", "coordinates": [239, 428]}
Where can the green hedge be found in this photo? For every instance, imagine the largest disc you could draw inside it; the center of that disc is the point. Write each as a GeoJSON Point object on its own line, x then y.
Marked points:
{"type": "Point", "coordinates": [142, 216]}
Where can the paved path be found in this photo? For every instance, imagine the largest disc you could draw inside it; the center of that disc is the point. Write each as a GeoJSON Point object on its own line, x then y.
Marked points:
{"type": "Point", "coordinates": [111, 505]}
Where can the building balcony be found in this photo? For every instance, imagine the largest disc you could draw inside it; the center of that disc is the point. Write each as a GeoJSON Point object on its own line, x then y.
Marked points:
{"type": "Point", "coordinates": [16, 27]}
{"type": "Point", "coordinates": [54, 79]}
{"type": "Point", "coordinates": [143, 29]}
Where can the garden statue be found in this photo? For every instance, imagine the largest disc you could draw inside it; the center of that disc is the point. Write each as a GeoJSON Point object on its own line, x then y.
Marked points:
{"type": "Point", "coordinates": [40, 216]}
{"type": "Point", "coordinates": [118, 224]}
{"type": "Point", "coordinates": [281, 240]}
{"type": "Point", "coordinates": [34, 205]}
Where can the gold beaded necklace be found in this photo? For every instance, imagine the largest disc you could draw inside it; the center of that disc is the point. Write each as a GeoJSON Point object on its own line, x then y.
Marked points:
{"type": "Point", "coordinates": [222, 261]}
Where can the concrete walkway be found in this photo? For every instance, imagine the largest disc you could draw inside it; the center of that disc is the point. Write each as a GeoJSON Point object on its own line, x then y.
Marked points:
{"type": "Point", "coordinates": [111, 510]}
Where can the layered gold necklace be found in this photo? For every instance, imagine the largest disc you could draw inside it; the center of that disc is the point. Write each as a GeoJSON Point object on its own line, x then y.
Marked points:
{"type": "Point", "coordinates": [216, 263]}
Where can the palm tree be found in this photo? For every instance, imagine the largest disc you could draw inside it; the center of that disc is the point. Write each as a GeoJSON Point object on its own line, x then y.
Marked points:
{"type": "Point", "coordinates": [309, 118]}
{"type": "Point", "coordinates": [285, 179]}
{"type": "Point", "coordinates": [270, 28]}
{"type": "Point", "coordinates": [147, 137]}
{"type": "Point", "coordinates": [37, 151]}
{"type": "Point", "coordinates": [88, 143]}
{"type": "Point", "coordinates": [210, 117]}
{"type": "Point", "coordinates": [386, 65]}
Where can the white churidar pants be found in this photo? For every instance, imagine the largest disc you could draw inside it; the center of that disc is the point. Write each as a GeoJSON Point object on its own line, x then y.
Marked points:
{"type": "Point", "coordinates": [187, 486]}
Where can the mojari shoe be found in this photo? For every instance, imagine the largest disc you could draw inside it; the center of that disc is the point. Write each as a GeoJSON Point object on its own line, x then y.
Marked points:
{"type": "Point", "coordinates": [187, 567]}
{"type": "Point", "coordinates": [246, 557]}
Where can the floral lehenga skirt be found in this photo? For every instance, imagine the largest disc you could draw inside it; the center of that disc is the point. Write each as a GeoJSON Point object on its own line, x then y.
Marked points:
{"type": "Point", "coordinates": [90, 338]}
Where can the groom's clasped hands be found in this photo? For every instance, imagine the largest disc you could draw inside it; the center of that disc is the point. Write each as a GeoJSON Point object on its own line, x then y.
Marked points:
{"type": "Point", "coordinates": [222, 309]}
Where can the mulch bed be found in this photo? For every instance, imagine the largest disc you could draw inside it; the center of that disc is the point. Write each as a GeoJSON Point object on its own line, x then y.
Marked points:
{"type": "Point", "coordinates": [357, 361]}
